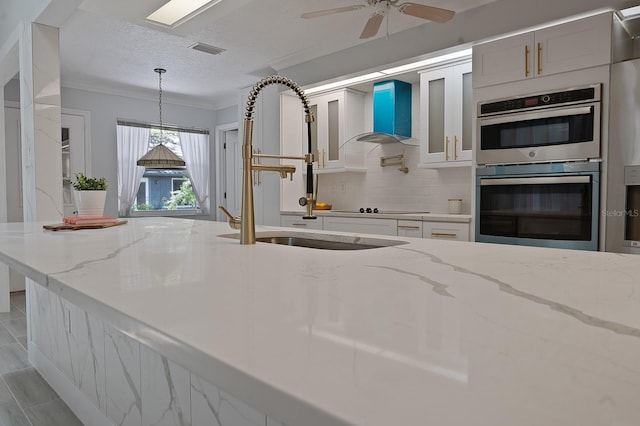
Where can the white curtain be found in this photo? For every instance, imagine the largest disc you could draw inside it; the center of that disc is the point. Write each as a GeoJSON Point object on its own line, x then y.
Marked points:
{"type": "Point", "coordinates": [132, 143]}
{"type": "Point", "coordinates": [195, 152]}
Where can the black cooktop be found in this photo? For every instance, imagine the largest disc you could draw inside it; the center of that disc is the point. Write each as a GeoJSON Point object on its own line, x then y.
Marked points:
{"type": "Point", "coordinates": [380, 211]}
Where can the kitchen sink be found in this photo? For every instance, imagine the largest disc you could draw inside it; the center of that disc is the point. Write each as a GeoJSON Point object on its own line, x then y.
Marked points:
{"type": "Point", "coordinates": [321, 241]}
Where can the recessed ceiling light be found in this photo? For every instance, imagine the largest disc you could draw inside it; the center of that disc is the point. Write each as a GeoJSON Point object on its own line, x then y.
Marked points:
{"type": "Point", "coordinates": [630, 12]}
{"type": "Point", "coordinates": [175, 12]}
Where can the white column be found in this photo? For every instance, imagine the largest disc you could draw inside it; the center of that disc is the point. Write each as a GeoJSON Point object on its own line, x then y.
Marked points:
{"type": "Point", "coordinates": [4, 269]}
{"type": "Point", "coordinates": [41, 123]}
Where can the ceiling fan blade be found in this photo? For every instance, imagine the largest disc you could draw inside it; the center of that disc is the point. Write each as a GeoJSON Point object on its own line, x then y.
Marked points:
{"type": "Point", "coordinates": [430, 13]}
{"type": "Point", "coordinates": [372, 26]}
{"type": "Point", "coordinates": [331, 11]}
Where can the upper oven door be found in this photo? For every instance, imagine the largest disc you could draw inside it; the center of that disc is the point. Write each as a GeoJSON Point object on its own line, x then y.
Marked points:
{"type": "Point", "coordinates": [551, 134]}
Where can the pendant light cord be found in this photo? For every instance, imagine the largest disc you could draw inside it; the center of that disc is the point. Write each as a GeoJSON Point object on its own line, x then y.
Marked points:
{"type": "Point", "coordinates": [160, 71]}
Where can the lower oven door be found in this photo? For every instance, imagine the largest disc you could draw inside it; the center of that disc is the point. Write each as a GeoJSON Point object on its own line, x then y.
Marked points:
{"type": "Point", "coordinates": [546, 210]}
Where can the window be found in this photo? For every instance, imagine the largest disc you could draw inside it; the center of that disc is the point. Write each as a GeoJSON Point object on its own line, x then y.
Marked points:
{"type": "Point", "coordinates": [176, 183]}
{"type": "Point", "coordinates": [163, 192]}
{"type": "Point", "coordinates": [166, 189]}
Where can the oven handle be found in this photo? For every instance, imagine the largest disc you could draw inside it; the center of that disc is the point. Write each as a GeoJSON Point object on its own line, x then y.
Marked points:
{"type": "Point", "coordinates": [536, 115]}
{"type": "Point", "coordinates": [535, 180]}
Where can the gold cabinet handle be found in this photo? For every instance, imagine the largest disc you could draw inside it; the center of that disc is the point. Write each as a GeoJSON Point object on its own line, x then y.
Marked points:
{"type": "Point", "coordinates": [526, 60]}
{"type": "Point", "coordinates": [299, 224]}
{"type": "Point", "coordinates": [408, 227]}
{"type": "Point", "coordinates": [455, 147]}
{"type": "Point", "coordinates": [446, 148]}
{"type": "Point", "coordinates": [324, 158]}
{"type": "Point", "coordinates": [539, 58]}
{"type": "Point", "coordinates": [443, 234]}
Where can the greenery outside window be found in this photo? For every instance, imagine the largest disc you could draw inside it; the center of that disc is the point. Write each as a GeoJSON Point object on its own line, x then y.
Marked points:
{"type": "Point", "coordinates": [166, 191]}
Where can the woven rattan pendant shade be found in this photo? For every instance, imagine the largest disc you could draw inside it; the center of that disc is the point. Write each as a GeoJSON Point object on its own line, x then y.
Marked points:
{"type": "Point", "coordinates": [160, 157]}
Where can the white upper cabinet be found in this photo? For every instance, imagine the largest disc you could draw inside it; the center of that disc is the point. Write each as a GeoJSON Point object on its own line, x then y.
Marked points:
{"type": "Point", "coordinates": [571, 46]}
{"type": "Point", "coordinates": [446, 122]}
{"type": "Point", "coordinates": [339, 116]}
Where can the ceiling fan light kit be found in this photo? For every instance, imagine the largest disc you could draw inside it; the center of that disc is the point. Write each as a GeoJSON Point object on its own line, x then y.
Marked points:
{"type": "Point", "coordinates": [382, 7]}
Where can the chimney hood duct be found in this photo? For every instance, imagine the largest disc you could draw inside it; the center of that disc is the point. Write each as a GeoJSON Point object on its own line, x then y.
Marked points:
{"type": "Point", "coordinates": [391, 112]}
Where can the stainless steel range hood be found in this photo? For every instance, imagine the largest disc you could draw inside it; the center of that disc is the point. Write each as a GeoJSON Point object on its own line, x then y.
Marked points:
{"type": "Point", "coordinates": [391, 113]}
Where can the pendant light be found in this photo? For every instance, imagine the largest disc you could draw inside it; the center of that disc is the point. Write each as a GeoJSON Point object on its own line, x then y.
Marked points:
{"type": "Point", "coordinates": [161, 157]}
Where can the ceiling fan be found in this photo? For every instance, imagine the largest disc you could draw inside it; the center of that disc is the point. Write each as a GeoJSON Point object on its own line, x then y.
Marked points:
{"type": "Point", "coordinates": [382, 7]}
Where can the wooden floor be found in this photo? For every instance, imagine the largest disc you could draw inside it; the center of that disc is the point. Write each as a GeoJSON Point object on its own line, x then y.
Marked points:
{"type": "Point", "coordinates": [25, 397]}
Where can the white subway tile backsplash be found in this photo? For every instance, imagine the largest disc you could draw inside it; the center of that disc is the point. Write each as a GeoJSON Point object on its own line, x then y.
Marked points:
{"type": "Point", "coordinates": [422, 189]}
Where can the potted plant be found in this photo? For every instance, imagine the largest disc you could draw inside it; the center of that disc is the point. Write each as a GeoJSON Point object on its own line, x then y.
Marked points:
{"type": "Point", "coordinates": [89, 194]}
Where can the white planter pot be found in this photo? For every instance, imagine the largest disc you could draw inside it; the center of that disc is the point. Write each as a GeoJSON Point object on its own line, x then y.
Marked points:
{"type": "Point", "coordinates": [90, 203]}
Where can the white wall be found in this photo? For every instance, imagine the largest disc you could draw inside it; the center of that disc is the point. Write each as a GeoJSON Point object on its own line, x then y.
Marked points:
{"type": "Point", "coordinates": [504, 16]}
{"type": "Point", "coordinates": [106, 109]}
{"type": "Point", "coordinates": [227, 115]}
{"type": "Point", "coordinates": [14, 11]}
{"type": "Point", "coordinates": [12, 91]}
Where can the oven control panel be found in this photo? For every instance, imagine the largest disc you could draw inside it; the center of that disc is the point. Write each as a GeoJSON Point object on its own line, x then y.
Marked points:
{"type": "Point", "coordinates": [565, 97]}
{"type": "Point", "coordinates": [632, 175]}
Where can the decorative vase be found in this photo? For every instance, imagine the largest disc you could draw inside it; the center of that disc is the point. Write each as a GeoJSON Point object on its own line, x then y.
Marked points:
{"type": "Point", "coordinates": [90, 203]}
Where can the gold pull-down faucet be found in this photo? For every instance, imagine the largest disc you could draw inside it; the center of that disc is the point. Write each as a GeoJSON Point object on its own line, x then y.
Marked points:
{"type": "Point", "coordinates": [246, 221]}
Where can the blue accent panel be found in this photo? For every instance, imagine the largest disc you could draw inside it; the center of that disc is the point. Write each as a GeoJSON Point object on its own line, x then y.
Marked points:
{"type": "Point", "coordinates": [392, 108]}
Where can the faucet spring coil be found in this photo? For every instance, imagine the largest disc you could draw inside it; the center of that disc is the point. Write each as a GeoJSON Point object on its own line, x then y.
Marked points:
{"type": "Point", "coordinates": [267, 81]}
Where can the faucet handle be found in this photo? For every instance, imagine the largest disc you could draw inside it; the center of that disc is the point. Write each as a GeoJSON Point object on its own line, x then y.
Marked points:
{"type": "Point", "coordinates": [309, 158]}
{"type": "Point", "coordinates": [235, 222]}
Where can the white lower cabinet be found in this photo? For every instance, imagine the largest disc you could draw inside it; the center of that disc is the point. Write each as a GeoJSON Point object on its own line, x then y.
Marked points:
{"type": "Point", "coordinates": [446, 231]}
{"type": "Point", "coordinates": [122, 366]}
{"type": "Point", "coordinates": [367, 225]}
{"type": "Point", "coordinates": [166, 389]}
{"type": "Point", "coordinates": [91, 362]}
{"type": "Point", "coordinates": [127, 382]}
{"type": "Point", "coordinates": [361, 225]}
{"type": "Point", "coordinates": [67, 338]}
{"type": "Point", "coordinates": [212, 406]}
{"type": "Point", "coordinates": [410, 228]}
{"type": "Point", "coordinates": [296, 221]}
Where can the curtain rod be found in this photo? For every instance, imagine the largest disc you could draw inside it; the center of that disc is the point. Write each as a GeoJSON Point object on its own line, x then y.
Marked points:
{"type": "Point", "coordinates": [164, 127]}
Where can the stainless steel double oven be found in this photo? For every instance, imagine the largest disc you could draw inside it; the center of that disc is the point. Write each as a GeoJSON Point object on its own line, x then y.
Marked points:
{"type": "Point", "coordinates": [538, 174]}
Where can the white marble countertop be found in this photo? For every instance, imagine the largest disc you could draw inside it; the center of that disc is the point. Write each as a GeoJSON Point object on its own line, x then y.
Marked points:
{"type": "Point", "coordinates": [427, 333]}
{"type": "Point", "coordinates": [436, 217]}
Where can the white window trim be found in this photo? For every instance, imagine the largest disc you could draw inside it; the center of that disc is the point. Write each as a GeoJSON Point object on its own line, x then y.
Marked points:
{"type": "Point", "coordinates": [146, 190]}
{"type": "Point", "coordinates": [173, 179]}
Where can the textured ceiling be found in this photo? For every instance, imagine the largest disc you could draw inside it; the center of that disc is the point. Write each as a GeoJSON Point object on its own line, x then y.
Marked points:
{"type": "Point", "coordinates": [108, 46]}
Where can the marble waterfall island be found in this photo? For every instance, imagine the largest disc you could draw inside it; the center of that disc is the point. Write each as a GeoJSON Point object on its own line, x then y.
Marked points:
{"type": "Point", "coordinates": [162, 321]}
